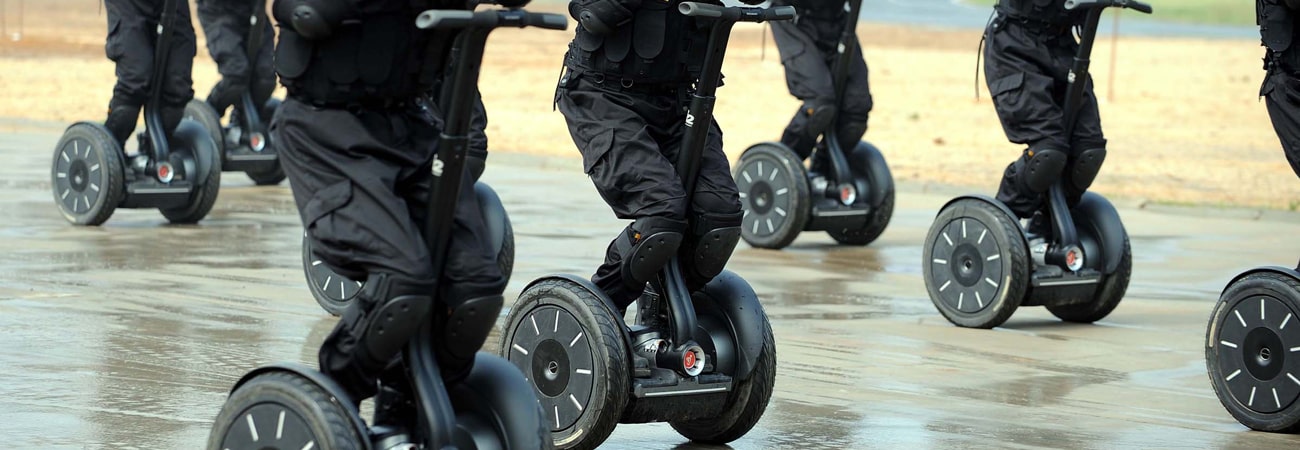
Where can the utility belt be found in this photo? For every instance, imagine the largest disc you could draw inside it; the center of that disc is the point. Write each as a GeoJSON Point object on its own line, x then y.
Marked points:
{"type": "Point", "coordinates": [1033, 25]}
{"type": "Point", "coordinates": [1282, 62]}
{"type": "Point", "coordinates": [633, 70]}
{"type": "Point", "coordinates": [1039, 15]}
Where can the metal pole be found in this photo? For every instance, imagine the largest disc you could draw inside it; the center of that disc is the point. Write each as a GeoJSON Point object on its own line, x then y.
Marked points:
{"type": "Point", "coordinates": [1114, 50]}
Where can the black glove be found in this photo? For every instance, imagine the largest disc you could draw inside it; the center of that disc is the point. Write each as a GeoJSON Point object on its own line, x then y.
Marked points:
{"type": "Point", "coordinates": [474, 165]}
{"type": "Point", "coordinates": [314, 19]}
{"type": "Point", "coordinates": [601, 16]}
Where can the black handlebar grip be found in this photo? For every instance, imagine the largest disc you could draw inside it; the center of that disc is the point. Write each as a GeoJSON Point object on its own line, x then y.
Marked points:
{"type": "Point", "coordinates": [548, 21]}
{"type": "Point", "coordinates": [700, 9]}
{"type": "Point", "coordinates": [1139, 6]}
{"type": "Point", "coordinates": [444, 18]}
{"type": "Point", "coordinates": [780, 13]}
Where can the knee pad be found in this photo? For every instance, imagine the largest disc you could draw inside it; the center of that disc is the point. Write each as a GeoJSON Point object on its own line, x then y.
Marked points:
{"type": "Point", "coordinates": [820, 117]}
{"type": "Point", "coordinates": [851, 131]}
{"type": "Point", "coordinates": [646, 246]}
{"type": "Point", "coordinates": [1041, 168]}
{"type": "Point", "coordinates": [463, 329]}
{"type": "Point", "coordinates": [390, 309]}
{"type": "Point", "coordinates": [714, 238]}
{"type": "Point", "coordinates": [1085, 168]}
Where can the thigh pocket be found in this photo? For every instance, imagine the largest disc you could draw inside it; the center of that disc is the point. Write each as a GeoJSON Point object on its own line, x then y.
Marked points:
{"type": "Point", "coordinates": [1008, 96]}
{"type": "Point", "coordinates": [596, 148]}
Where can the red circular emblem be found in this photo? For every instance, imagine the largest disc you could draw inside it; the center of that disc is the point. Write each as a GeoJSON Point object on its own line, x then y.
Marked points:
{"type": "Point", "coordinates": [688, 360]}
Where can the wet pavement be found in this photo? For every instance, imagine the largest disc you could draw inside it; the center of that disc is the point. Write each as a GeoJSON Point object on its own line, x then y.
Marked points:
{"type": "Point", "coordinates": [129, 335]}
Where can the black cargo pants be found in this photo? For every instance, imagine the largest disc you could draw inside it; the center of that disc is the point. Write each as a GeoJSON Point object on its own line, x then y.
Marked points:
{"type": "Point", "coordinates": [227, 23]}
{"type": "Point", "coordinates": [808, 50]}
{"type": "Point", "coordinates": [132, 32]}
{"type": "Point", "coordinates": [1027, 67]}
{"type": "Point", "coordinates": [629, 139]}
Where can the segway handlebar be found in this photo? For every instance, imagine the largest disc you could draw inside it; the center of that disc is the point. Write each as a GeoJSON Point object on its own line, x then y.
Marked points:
{"type": "Point", "coordinates": [1130, 4]}
{"type": "Point", "coordinates": [446, 19]}
{"type": "Point", "coordinates": [736, 13]}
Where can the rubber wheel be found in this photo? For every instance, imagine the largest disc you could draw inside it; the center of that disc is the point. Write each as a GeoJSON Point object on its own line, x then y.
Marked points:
{"type": "Point", "coordinates": [745, 404]}
{"type": "Point", "coordinates": [332, 291]}
{"type": "Point", "coordinates": [87, 174]}
{"type": "Point", "coordinates": [976, 264]}
{"type": "Point", "coordinates": [1252, 351]}
{"type": "Point", "coordinates": [868, 165]}
{"type": "Point", "coordinates": [773, 187]}
{"type": "Point", "coordinates": [202, 112]}
{"type": "Point", "coordinates": [275, 174]}
{"type": "Point", "coordinates": [1108, 295]}
{"type": "Point", "coordinates": [492, 408]}
{"type": "Point", "coordinates": [194, 142]}
{"type": "Point", "coordinates": [572, 350]}
{"type": "Point", "coordinates": [281, 410]}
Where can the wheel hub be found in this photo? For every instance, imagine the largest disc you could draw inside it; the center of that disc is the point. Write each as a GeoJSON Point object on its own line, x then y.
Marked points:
{"type": "Point", "coordinates": [1263, 353]}
{"type": "Point", "coordinates": [78, 175]}
{"type": "Point", "coordinates": [967, 264]}
{"type": "Point", "coordinates": [760, 198]}
{"type": "Point", "coordinates": [551, 367]}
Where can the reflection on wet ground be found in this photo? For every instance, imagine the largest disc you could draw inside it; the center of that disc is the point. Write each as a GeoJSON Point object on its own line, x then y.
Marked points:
{"type": "Point", "coordinates": [128, 335]}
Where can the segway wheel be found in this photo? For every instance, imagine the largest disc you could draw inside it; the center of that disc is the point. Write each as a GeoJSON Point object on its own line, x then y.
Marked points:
{"type": "Point", "coordinates": [275, 174]}
{"type": "Point", "coordinates": [193, 146]}
{"type": "Point", "coordinates": [87, 174]}
{"type": "Point", "coordinates": [976, 264]}
{"type": "Point", "coordinates": [201, 112]}
{"type": "Point", "coordinates": [1108, 295]}
{"type": "Point", "coordinates": [496, 408]}
{"type": "Point", "coordinates": [869, 164]}
{"type": "Point", "coordinates": [745, 404]}
{"type": "Point", "coordinates": [570, 347]}
{"type": "Point", "coordinates": [1252, 351]}
{"type": "Point", "coordinates": [332, 291]}
{"type": "Point", "coordinates": [283, 411]}
{"type": "Point", "coordinates": [774, 195]}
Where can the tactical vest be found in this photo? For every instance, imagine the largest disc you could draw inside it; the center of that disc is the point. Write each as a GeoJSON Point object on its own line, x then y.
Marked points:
{"type": "Point", "coordinates": [820, 10]}
{"type": "Point", "coordinates": [382, 60]}
{"type": "Point", "coordinates": [1277, 30]}
{"type": "Point", "coordinates": [658, 45]}
{"type": "Point", "coordinates": [1046, 12]}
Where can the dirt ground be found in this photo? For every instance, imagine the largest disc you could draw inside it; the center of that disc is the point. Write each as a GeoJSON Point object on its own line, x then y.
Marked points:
{"type": "Point", "coordinates": [1182, 115]}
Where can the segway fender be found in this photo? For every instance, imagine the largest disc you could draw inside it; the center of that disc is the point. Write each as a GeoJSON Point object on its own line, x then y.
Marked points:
{"type": "Point", "coordinates": [324, 382]}
{"type": "Point", "coordinates": [494, 214]}
{"type": "Point", "coordinates": [492, 393]}
{"type": "Point", "coordinates": [743, 313]}
{"type": "Point", "coordinates": [1264, 269]}
{"type": "Point", "coordinates": [590, 287]}
{"type": "Point", "coordinates": [1094, 216]}
{"type": "Point", "coordinates": [202, 147]}
{"type": "Point", "coordinates": [990, 200]}
{"type": "Point", "coordinates": [867, 160]}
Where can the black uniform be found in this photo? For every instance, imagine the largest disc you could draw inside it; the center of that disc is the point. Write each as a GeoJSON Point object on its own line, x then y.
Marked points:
{"type": "Point", "coordinates": [1027, 63]}
{"type": "Point", "coordinates": [227, 24]}
{"type": "Point", "coordinates": [1279, 25]}
{"type": "Point", "coordinates": [630, 68]}
{"type": "Point", "coordinates": [358, 138]}
{"type": "Point", "coordinates": [808, 47]}
{"type": "Point", "coordinates": [132, 32]}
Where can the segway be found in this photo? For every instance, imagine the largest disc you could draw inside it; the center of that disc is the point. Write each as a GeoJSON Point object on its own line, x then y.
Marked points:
{"type": "Point", "coordinates": [980, 264]}
{"type": "Point", "coordinates": [245, 146]}
{"type": "Point", "coordinates": [852, 203]}
{"type": "Point", "coordinates": [334, 292]}
{"type": "Point", "coordinates": [705, 362]}
{"type": "Point", "coordinates": [289, 406]}
{"type": "Point", "coordinates": [180, 176]}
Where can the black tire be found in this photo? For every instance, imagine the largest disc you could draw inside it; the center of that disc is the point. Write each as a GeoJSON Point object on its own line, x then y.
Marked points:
{"type": "Point", "coordinates": [977, 250]}
{"type": "Point", "coordinates": [498, 408]}
{"type": "Point", "coordinates": [194, 142]}
{"type": "Point", "coordinates": [1244, 354]}
{"type": "Point", "coordinates": [201, 112]}
{"type": "Point", "coordinates": [275, 174]}
{"type": "Point", "coordinates": [281, 410]}
{"type": "Point", "coordinates": [745, 404]}
{"type": "Point", "coordinates": [776, 202]}
{"type": "Point", "coordinates": [876, 225]}
{"type": "Point", "coordinates": [506, 254]}
{"type": "Point", "coordinates": [582, 360]}
{"type": "Point", "coordinates": [332, 291]}
{"type": "Point", "coordinates": [1108, 295]}
{"type": "Point", "coordinates": [87, 174]}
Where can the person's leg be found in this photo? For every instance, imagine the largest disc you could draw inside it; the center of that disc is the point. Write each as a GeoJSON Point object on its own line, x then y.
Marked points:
{"type": "Point", "coordinates": [808, 78]}
{"type": "Point", "coordinates": [178, 87]}
{"type": "Point", "coordinates": [224, 27]}
{"type": "Point", "coordinates": [1283, 104]}
{"type": "Point", "coordinates": [715, 216]}
{"type": "Point", "coordinates": [856, 103]}
{"type": "Point", "coordinates": [130, 46]}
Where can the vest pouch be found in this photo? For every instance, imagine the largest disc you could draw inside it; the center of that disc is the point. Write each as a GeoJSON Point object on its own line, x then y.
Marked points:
{"type": "Point", "coordinates": [619, 43]}
{"type": "Point", "coordinates": [381, 41]}
{"type": "Point", "coordinates": [292, 54]}
{"type": "Point", "coordinates": [650, 28]}
{"type": "Point", "coordinates": [1277, 28]}
{"type": "Point", "coordinates": [338, 55]}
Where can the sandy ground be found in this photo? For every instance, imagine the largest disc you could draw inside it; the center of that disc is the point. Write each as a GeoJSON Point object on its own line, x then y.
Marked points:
{"type": "Point", "coordinates": [1184, 120]}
